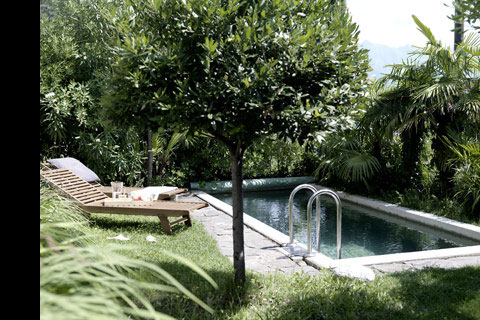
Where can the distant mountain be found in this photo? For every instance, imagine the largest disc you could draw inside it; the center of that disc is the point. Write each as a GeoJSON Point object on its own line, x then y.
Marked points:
{"type": "Point", "coordinates": [382, 55]}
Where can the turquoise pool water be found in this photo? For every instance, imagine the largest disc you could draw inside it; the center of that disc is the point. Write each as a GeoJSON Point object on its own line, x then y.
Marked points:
{"type": "Point", "coordinates": [365, 232]}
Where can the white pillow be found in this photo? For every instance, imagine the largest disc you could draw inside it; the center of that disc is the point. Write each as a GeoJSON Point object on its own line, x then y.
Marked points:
{"type": "Point", "coordinates": [76, 167]}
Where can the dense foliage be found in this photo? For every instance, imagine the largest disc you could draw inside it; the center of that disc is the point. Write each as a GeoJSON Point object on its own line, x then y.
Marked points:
{"type": "Point", "coordinates": [209, 67]}
{"type": "Point", "coordinates": [468, 11]}
{"type": "Point", "coordinates": [73, 56]}
{"type": "Point", "coordinates": [399, 147]}
{"type": "Point", "coordinates": [403, 142]}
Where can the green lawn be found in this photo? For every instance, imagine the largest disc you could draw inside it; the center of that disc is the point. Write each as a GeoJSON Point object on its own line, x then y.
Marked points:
{"type": "Point", "coordinates": [428, 294]}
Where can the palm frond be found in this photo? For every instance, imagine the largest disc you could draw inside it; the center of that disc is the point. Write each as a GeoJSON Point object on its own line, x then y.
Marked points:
{"type": "Point", "coordinates": [346, 160]}
{"type": "Point", "coordinates": [358, 167]}
{"type": "Point", "coordinates": [425, 30]}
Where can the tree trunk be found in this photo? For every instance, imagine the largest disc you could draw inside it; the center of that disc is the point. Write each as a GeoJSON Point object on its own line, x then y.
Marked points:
{"type": "Point", "coordinates": [411, 148]}
{"type": "Point", "coordinates": [442, 153]}
{"type": "Point", "coordinates": [459, 29]}
{"type": "Point", "coordinates": [150, 157]}
{"type": "Point", "coordinates": [236, 153]}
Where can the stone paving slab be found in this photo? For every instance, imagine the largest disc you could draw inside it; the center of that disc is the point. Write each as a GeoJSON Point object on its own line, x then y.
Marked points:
{"type": "Point", "coordinates": [445, 263]}
{"type": "Point", "coordinates": [261, 254]}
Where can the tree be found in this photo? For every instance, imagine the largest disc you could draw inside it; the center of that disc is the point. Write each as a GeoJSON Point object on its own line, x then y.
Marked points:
{"type": "Point", "coordinates": [236, 71]}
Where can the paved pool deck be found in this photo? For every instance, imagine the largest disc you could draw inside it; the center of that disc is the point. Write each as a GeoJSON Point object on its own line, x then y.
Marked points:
{"type": "Point", "coordinates": [263, 255]}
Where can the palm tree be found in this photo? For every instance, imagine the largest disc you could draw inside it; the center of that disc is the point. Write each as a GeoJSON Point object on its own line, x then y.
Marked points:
{"type": "Point", "coordinates": [435, 89]}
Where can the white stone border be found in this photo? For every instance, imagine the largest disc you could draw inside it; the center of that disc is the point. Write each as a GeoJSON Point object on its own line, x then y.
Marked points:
{"type": "Point", "coordinates": [418, 255]}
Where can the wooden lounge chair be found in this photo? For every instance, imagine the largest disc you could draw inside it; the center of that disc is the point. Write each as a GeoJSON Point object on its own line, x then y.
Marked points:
{"type": "Point", "coordinates": [107, 190]}
{"type": "Point", "coordinates": [92, 200]}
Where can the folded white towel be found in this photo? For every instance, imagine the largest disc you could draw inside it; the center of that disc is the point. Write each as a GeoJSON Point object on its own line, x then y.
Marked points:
{"type": "Point", "coordinates": [148, 191]}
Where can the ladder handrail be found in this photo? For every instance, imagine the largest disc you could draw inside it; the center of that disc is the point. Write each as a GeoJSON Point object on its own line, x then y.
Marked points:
{"type": "Point", "coordinates": [338, 202]}
{"type": "Point", "coordinates": [290, 206]}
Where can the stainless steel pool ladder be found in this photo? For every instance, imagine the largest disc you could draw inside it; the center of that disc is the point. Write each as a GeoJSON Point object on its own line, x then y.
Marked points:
{"type": "Point", "coordinates": [316, 195]}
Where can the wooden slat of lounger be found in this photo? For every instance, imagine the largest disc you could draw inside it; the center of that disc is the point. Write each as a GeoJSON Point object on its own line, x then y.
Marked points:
{"type": "Point", "coordinates": [66, 182]}
{"type": "Point", "coordinates": [93, 200]}
{"type": "Point", "coordinates": [72, 185]}
{"type": "Point", "coordinates": [55, 172]}
{"type": "Point", "coordinates": [66, 178]}
{"type": "Point", "coordinates": [89, 197]}
{"type": "Point", "coordinates": [85, 192]}
{"type": "Point", "coordinates": [77, 190]}
{"type": "Point", "coordinates": [45, 166]}
{"type": "Point", "coordinates": [63, 178]}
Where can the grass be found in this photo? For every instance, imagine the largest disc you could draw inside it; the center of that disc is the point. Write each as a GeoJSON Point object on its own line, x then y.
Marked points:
{"type": "Point", "coordinates": [84, 278]}
{"type": "Point", "coordinates": [427, 294]}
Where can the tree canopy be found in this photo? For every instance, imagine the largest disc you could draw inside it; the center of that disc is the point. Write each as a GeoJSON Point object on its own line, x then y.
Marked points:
{"type": "Point", "coordinates": [236, 71]}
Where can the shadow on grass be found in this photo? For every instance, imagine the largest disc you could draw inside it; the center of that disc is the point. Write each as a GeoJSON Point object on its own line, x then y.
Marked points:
{"type": "Point", "coordinates": [120, 224]}
{"type": "Point", "coordinates": [427, 294]}
{"type": "Point", "coordinates": [225, 300]}
{"type": "Point", "coordinates": [440, 294]}
{"type": "Point", "coordinates": [188, 242]}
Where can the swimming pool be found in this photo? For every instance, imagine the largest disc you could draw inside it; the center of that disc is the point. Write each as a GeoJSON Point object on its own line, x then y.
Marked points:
{"type": "Point", "coordinates": [365, 232]}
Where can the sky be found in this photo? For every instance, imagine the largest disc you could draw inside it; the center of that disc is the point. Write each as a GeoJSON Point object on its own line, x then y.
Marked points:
{"type": "Point", "coordinates": [390, 22]}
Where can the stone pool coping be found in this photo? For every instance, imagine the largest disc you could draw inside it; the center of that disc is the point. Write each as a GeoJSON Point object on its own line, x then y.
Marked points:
{"type": "Point", "coordinates": [357, 267]}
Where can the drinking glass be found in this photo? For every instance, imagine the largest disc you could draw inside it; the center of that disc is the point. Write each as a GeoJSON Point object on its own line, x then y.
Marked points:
{"type": "Point", "coordinates": [117, 188]}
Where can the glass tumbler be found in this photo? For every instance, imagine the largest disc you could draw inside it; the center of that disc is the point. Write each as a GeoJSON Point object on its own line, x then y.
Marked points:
{"type": "Point", "coordinates": [117, 188]}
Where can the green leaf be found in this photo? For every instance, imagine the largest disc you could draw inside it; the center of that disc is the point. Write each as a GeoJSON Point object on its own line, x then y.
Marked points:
{"type": "Point", "coordinates": [425, 30]}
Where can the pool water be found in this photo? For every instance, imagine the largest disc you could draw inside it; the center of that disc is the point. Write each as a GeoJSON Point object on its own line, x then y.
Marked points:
{"type": "Point", "coordinates": [365, 232]}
